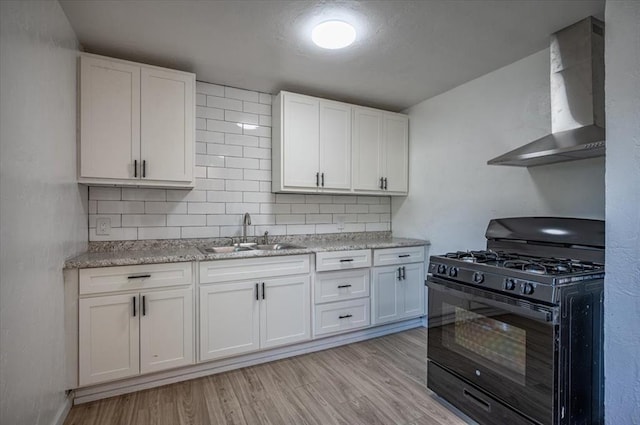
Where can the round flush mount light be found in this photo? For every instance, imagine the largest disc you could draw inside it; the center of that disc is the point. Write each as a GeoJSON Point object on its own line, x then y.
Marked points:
{"type": "Point", "coordinates": [333, 35]}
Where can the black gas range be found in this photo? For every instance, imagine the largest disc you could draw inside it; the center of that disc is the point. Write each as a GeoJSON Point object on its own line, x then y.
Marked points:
{"type": "Point", "coordinates": [515, 331]}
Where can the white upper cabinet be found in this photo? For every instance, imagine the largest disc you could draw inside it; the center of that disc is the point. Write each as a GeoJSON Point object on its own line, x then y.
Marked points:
{"type": "Point", "coordinates": [137, 124]}
{"type": "Point", "coordinates": [311, 145]}
{"type": "Point", "coordinates": [323, 146]}
{"type": "Point", "coordinates": [380, 152]}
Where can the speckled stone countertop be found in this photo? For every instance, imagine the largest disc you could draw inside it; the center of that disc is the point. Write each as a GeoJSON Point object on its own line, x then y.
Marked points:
{"type": "Point", "coordinates": [125, 253]}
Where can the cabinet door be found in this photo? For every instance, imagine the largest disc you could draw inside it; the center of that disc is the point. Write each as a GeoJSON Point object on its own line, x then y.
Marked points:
{"type": "Point", "coordinates": [396, 149]}
{"type": "Point", "coordinates": [300, 149]}
{"type": "Point", "coordinates": [166, 329]}
{"type": "Point", "coordinates": [285, 315]}
{"type": "Point", "coordinates": [167, 127]}
{"type": "Point", "coordinates": [367, 149]}
{"type": "Point", "coordinates": [413, 290]}
{"type": "Point", "coordinates": [229, 319]}
{"type": "Point", "coordinates": [387, 297]}
{"type": "Point", "coordinates": [109, 118]}
{"type": "Point", "coordinates": [108, 338]}
{"type": "Point", "coordinates": [335, 145]}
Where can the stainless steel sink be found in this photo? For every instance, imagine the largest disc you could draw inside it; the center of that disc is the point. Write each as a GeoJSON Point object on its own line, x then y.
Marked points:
{"type": "Point", "coordinates": [223, 249]}
{"type": "Point", "coordinates": [247, 247]}
{"type": "Point", "coordinates": [277, 247]}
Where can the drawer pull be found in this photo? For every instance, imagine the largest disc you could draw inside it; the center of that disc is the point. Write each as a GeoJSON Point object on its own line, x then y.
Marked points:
{"type": "Point", "coordinates": [404, 255]}
{"type": "Point", "coordinates": [344, 286]}
{"type": "Point", "coordinates": [345, 316]}
{"type": "Point", "coordinates": [346, 260]}
{"type": "Point", "coordinates": [141, 276]}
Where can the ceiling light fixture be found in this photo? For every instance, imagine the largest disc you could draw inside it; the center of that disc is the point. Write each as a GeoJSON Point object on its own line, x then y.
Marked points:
{"type": "Point", "coordinates": [333, 34]}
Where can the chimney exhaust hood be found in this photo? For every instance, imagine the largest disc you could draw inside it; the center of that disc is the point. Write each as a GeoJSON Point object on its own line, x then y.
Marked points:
{"type": "Point", "coordinates": [577, 100]}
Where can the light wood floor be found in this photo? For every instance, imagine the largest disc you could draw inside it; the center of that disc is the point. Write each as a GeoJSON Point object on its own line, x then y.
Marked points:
{"type": "Point", "coordinates": [379, 381]}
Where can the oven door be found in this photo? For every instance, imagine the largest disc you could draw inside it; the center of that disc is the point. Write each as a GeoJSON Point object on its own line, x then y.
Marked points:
{"type": "Point", "coordinates": [503, 345]}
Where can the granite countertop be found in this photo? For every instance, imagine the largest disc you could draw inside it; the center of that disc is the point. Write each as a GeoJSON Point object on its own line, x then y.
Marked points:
{"type": "Point", "coordinates": [122, 253]}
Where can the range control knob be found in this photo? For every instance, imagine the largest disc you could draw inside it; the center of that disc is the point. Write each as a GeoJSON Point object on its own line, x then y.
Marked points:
{"type": "Point", "coordinates": [509, 284]}
{"type": "Point", "coordinates": [527, 289]}
{"type": "Point", "coordinates": [442, 269]}
{"type": "Point", "coordinates": [478, 277]}
{"type": "Point", "coordinates": [453, 272]}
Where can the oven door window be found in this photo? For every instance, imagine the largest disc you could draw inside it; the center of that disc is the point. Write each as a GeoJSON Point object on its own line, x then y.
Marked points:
{"type": "Point", "coordinates": [507, 354]}
{"type": "Point", "coordinates": [485, 339]}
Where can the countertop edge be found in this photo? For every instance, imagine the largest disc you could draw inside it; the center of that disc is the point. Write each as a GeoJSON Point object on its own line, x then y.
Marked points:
{"type": "Point", "coordinates": [133, 258]}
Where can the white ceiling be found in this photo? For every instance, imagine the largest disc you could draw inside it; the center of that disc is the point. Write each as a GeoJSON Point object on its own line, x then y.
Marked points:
{"type": "Point", "coordinates": [406, 51]}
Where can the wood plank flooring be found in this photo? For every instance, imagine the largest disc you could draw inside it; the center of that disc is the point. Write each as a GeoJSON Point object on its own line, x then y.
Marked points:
{"type": "Point", "coordinates": [379, 381]}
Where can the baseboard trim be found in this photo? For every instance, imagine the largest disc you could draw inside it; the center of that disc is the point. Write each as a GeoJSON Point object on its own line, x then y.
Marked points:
{"type": "Point", "coordinates": [97, 392]}
{"type": "Point", "coordinates": [63, 410]}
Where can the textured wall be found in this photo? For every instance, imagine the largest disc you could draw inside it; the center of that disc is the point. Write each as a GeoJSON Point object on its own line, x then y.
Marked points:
{"type": "Point", "coordinates": [622, 282]}
{"type": "Point", "coordinates": [233, 169]}
{"type": "Point", "coordinates": [454, 193]}
{"type": "Point", "coordinates": [42, 216]}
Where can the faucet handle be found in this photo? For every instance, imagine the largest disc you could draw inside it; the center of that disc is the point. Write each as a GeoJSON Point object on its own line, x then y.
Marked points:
{"type": "Point", "coordinates": [265, 237]}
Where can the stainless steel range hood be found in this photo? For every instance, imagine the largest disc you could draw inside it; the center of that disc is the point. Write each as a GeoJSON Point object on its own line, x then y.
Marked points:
{"type": "Point", "coordinates": [577, 100]}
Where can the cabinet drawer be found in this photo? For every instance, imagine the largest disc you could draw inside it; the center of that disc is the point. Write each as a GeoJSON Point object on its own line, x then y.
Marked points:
{"type": "Point", "coordinates": [343, 260]}
{"type": "Point", "coordinates": [124, 278]}
{"type": "Point", "coordinates": [253, 268]}
{"type": "Point", "coordinates": [341, 316]}
{"type": "Point", "coordinates": [341, 285]}
{"type": "Point", "coordinates": [404, 255]}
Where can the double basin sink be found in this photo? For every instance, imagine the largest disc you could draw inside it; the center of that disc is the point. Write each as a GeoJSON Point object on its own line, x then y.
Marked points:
{"type": "Point", "coordinates": [247, 247]}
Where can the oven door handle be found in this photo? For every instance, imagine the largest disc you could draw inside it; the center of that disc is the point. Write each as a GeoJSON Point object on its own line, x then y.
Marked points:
{"type": "Point", "coordinates": [519, 307]}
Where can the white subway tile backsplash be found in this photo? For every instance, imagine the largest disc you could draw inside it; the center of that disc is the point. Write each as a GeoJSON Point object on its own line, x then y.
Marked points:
{"type": "Point", "coordinates": [105, 193]}
{"type": "Point", "coordinates": [186, 220]}
{"type": "Point", "coordinates": [210, 89]}
{"type": "Point", "coordinates": [200, 232]}
{"type": "Point", "coordinates": [114, 219]}
{"type": "Point", "coordinates": [241, 117]}
{"type": "Point", "coordinates": [206, 208]}
{"type": "Point", "coordinates": [250, 163]}
{"type": "Point", "coordinates": [223, 126]}
{"type": "Point", "coordinates": [257, 108]}
{"type": "Point", "coordinates": [224, 150]}
{"type": "Point", "coordinates": [209, 184]}
{"type": "Point", "coordinates": [223, 196]}
{"type": "Point", "coordinates": [242, 185]}
{"type": "Point", "coordinates": [165, 207]}
{"type": "Point", "coordinates": [234, 93]}
{"type": "Point", "coordinates": [210, 113]}
{"type": "Point", "coordinates": [186, 195]}
{"type": "Point", "coordinates": [209, 136]}
{"type": "Point", "coordinates": [257, 153]}
{"type": "Point", "coordinates": [224, 220]}
{"type": "Point", "coordinates": [225, 104]}
{"type": "Point", "coordinates": [300, 229]}
{"type": "Point", "coordinates": [144, 220]}
{"type": "Point", "coordinates": [263, 175]}
{"type": "Point", "coordinates": [120, 207]}
{"type": "Point", "coordinates": [264, 98]}
{"type": "Point", "coordinates": [233, 176]}
{"type": "Point", "coordinates": [129, 194]}
{"type": "Point", "coordinates": [241, 140]}
{"type": "Point", "coordinates": [159, 233]}
{"type": "Point", "coordinates": [241, 208]}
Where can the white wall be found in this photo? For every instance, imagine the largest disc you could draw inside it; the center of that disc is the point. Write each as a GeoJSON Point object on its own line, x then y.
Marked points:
{"type": "Point", "coordinates": [622, 282]}
{"type": "Point", "coordinates": [454, 193]}
{"type": "Point", "coordinates": [42, 216]}
{"type": "Point", "coordinates": [233, 169]}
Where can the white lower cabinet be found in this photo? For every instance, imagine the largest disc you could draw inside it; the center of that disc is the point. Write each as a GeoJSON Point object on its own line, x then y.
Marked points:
{"type": "Point", "coordinates": [397, 292]}
{"type": "Point", "coordinates": [147, 328]}
{"type": "Point", "coordinates": [124, 335]}
{"type": "Point", "coordinates": [247, 315]}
